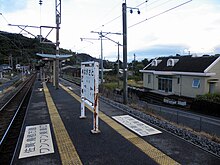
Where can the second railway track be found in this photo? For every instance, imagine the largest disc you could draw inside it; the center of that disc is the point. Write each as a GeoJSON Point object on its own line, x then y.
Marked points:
{"type": "Point", "coordinates": [11, 118]}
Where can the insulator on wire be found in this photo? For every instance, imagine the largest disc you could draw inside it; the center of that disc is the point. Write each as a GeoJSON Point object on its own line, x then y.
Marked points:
{"type": "Point", "coordinates": [40, 2]}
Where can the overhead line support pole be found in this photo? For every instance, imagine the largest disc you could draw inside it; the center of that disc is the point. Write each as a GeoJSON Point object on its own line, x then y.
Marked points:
{"type": "Point", "coordinates": [101, 58]}
{"type": "Point", "coordinates": [118, 63]}
{"type": "Point", "coordinates": [58, 22]}
{"type": "Point", "coordinates": [125, 68]}
{"type": "Point", "coordinates": [101, 35]}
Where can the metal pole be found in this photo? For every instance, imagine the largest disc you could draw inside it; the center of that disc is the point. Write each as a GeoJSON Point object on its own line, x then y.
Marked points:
{"type": "Point", "coordinates": [124, 19]}
{"type": "Point", "coordinates": [118, 64]}
{"type": "Point", "coordinates": [101, 58]}
{"type": "Point", "coordinates": [57, 58]}
{"type": "Point", "coordinates": [58, 21]}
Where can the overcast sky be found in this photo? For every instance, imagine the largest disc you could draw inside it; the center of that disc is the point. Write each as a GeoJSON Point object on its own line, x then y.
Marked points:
{"type": "Point", "coordinates": [191, 28]}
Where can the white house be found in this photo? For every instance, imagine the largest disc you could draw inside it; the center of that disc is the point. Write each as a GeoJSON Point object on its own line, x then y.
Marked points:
{"type": "Point", "coordinates": [183, 75]}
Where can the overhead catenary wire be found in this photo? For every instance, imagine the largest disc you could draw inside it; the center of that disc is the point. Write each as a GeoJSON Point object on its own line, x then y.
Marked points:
{"type": "Point", "coordinates": [152, 4]}
{"type": "Point", "coordinates": [162, 4]}
{"type": "Point", "coordinates": [142, 3]}
{"type": "Point", "coordinates": [109, 12]}
{"type": "Point", "coordinates": [4, 18]}
{"type": "Point", "coordinates": [160, 13]}
{"type": "Point", "coordinates": [112, 20]}
{"type": "Point", "coordinates": [138, 6]}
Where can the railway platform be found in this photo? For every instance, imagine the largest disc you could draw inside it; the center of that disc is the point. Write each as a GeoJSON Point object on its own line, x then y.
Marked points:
{"type": "Point", "coordinates": [53, 133]}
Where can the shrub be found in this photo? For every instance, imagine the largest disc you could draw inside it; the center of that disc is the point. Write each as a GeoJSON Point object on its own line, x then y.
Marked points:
{"type": "Point", "coordinates": [207, 104]}
{"type": "Point", "coordinates": [215, 97]}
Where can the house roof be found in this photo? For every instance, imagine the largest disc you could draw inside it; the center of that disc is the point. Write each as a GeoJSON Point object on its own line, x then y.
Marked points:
{"type": "Point", "coordinates": [184, 64]}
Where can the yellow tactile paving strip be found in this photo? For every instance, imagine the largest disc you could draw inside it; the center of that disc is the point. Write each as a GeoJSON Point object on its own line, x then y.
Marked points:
{"type": "Point", "coordinates": [66, 148]}
{"type": "Point", "coordinates": [145, 147]}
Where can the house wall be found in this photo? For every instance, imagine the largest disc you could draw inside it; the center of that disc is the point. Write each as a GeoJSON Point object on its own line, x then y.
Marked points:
{"type": "Point", "coordinates": [215, 69]}
{"type": "Point", "coordinates": [183, 88]}
{"type": "Point", "coordinates": [188, 90]}
{"type": "Point", "coordinates": [146, 82]}
{"type": "Point", "coordinates": [176, 86]}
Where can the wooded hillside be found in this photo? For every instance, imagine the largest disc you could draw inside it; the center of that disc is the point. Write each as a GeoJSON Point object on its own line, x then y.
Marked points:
{"type": "Point", "coordinates": [23, 49]}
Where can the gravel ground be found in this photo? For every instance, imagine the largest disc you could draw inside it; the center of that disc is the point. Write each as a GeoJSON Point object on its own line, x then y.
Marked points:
{"type": "Point", "coordinates": [185, 134]}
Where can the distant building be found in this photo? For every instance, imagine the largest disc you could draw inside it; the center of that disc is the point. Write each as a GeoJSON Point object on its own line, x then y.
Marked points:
{"type": "Point", "coordinates": [5, 68]}
{"type": "Point", "coordinates": [183, 75]}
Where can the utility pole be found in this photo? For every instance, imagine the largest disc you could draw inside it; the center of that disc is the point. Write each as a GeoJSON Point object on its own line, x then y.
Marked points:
{"type": "Point", "coordinates": [101, 35]}
{"type": "Point", "coordinates": [58, 22]}
{"type": "Point", "coordinates": [125, 66]}
{"type": "Point", "coordinates": [101, 58]}
{"type": "Point", "coordinates": [118, 50]}
{"type": "Point", "coordinates": [125, 85]}
{"type": "Point", "coordinates": [118, 63]}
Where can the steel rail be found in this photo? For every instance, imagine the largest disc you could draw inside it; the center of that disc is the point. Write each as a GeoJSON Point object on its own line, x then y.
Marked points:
{"type": "Point", "coordinates": [5, 104]}
{"type": "Point", "coordinates": [17, 109]}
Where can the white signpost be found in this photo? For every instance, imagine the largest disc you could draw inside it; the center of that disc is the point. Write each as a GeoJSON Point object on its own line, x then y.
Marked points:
{"type": "Point", "coordinates": [90, 90]}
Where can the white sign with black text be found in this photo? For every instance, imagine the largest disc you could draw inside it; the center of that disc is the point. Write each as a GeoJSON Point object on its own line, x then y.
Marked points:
{"type": "Point", "coordinates": [90, 90]}
{"type": "Point", "coordinates": [136, 126]}
{"type": "Point", "coordinates": [37, 141]}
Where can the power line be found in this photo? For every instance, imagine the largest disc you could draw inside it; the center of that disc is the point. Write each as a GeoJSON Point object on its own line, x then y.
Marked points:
{"type": "Point", "coordinates": [142, 3]}
{"type": "Point", "coordinates": [110, 11]}
{"type": "Point", "coordinates": [149, 4]}
{"type": "Point", "coordinates": [159, 4]}
{"type": "Point", "coordinates": [110, 21]}
{"type": "Point", "coordinates": [159, 14]}
{"type": "Point", "coordinates": [4, 18]}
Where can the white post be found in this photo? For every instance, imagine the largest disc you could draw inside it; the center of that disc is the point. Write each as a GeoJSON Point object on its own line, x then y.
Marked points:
{"type": "Point", "coordinates": [96, 117]}
{"type": "Point", "coordinates": [96, 100]}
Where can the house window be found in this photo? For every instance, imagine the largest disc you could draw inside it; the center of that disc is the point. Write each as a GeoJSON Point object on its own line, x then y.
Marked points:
{"type": "Point", "coordinates": [170, 62]}
{"type": "Point", "coordinates": [149, 79]}
{"type": "Point", "coordinates": [155, 62]}
{"type": "Point", "coordinates": [196, 83]}
{"type": "Point", "coordinates": [165, 84]}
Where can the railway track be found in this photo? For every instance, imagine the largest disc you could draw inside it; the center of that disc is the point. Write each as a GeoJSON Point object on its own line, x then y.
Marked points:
{"type": "Point", "coordinates": [11, 119]}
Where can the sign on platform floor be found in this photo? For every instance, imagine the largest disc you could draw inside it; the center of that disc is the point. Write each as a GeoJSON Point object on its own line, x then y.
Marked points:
{"type": "Point", "coordinates": [37, 141]}
{"type": "Point", "coordinates": [136, 126]}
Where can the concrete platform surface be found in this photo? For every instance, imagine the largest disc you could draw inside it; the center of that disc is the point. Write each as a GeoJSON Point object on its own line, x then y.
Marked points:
{"type": "Point", "coordinates": [73, 142]}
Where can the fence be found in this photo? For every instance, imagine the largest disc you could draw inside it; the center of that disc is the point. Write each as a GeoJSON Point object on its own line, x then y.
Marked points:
{"type": "Point", "coordinates": [187, 119]}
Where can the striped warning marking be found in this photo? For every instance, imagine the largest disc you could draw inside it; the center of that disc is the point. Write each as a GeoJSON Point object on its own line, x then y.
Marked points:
{"type": "Point", "coordinates": [155, 154]}
{"type": "Point", "coordinates": [66, 148]}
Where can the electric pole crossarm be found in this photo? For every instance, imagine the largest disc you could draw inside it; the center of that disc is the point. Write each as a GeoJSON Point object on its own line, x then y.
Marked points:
{"type": "Point", "coordinates": [112, 40]}
{"type": "Point", "coordinates": [101, 33]}
{"type": "Point", "coordinates": [24, 26]}
{"type": "Point", "coordinates": [46, 36]}
{"type": "Point", "coordinates": [89, 39]}
{"type": "Point", "coordinates": [23, 29]}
